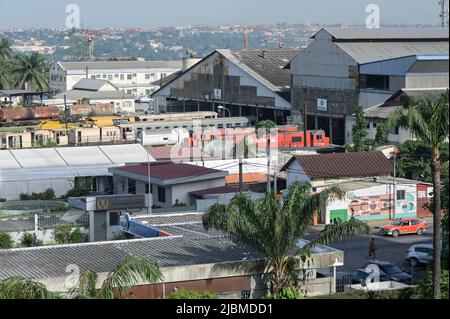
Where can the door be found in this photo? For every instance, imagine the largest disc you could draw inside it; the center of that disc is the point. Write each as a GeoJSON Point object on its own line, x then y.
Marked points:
{"type": "Point", "coordinates": [100, 226]}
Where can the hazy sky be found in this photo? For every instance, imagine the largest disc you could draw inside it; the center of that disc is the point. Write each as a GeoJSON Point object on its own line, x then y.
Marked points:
{"type": "Point", "coordinates": [148, 13]}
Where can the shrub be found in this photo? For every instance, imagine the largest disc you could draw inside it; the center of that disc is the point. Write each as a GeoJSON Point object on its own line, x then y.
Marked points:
{"type": "Point", "coordinates": [25, 197]}
{"type": "Point", "coordinates": [60, 209]}
{"type": "Point", "coordinates": [49, 194]}
{"type": "Point", "coordinates": [27, 240]}
{"type": "Point", "coordinates": [6, 241]}
{"type": "Point", "coordinates": [64, 234]}
{"type": "Point", "coordinates": [2, 200]}
{"type": "Point", "coordinates": [189, 294]}
{"type": "Point", "coordinates": [286, 293]}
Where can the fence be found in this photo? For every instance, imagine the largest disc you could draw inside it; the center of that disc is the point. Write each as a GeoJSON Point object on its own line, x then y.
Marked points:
{"type": "Point", "coordinates": [38, 221]}
{"type": "Point", "coordinates": [342, 280]}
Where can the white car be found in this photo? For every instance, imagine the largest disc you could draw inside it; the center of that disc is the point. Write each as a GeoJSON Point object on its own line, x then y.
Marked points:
{"type": "Point", "coordinates": [419, 254]}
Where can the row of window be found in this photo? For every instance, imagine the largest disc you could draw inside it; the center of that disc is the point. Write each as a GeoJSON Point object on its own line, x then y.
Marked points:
{"type": "Point", "coordinates": [161, 190]}
{"type": "Point", "coordinates": [129, 76]}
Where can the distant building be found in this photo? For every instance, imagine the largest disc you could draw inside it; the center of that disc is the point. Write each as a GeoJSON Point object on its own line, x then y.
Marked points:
{"type": "Point", "coordinates": [248, 82]}
{"type": "Point", "coordinates": [328, 169]}
{"type": "Point", "coordinates": [344, 68]}
{"type": "Point", "coordinates": [379, 114]}
{"type": "Point", "coordinates": [91, 91]}
{"type": "Point", "coordinates": [131, 77]}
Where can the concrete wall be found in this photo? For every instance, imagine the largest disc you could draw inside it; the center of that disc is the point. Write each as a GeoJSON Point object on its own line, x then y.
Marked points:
{"type": "Point", "coordinates": [418, 80]}
{"type": "Point", "coordinates": [181, 191]}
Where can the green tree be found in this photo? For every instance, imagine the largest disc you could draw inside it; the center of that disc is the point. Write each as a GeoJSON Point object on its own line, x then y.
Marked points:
{"type": "Point", "coordinates": [32, 70]}
{"type": "Point", "coordinates": [5, 75]}
{"type": "Point", "coordinates": [359, 133]}
{"type": "Point", "coordinates": [65, 234]}
{"type": "Point", "coordinates": [274, 227]}
{"type": "Point", "coordinates": [21, 288]}
{"type": "Point", "coordinates": [382, 131]}
{"type": "Point", "coordinates": [5, 49]}
{"type": "Point", "coordinates": [131, 271]}
{"type": "Point", "coordinates": [428, 120]}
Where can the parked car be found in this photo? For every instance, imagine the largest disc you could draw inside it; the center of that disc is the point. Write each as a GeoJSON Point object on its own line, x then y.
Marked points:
{"type": "Point", "coordinates": [419, 254]}
{"type": "Point", "coordinates": [390, 271]}
{"type": "Point", "coordinates": [404, 226]}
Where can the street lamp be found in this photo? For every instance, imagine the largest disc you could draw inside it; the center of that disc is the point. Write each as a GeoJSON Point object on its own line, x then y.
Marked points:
{"type": "Point", "coordinates": [221, 107]}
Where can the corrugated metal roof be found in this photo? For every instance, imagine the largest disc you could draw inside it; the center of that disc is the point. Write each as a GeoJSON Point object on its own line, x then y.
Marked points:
{"type": "Point", "coordinates": [90, 84]}
{"type": "Point", "coordinates": [216, 191]}
{"type": "Point", "coordinates": [429, 66]}
{"type": "Point", "coordinates": [67, 157]}
{"type": "Point", "coordinates": [337, 165]}
{"type": "Point", "coordinates": [381, 112]}
{"type": "Point", "coordinates": [94, 95]}
{"type": "Point", "coordinates": [121, 65]}
{"type": "Point", "coordinates": [387, 33]}
{"type": "Point", "coordinates": [366, 52]}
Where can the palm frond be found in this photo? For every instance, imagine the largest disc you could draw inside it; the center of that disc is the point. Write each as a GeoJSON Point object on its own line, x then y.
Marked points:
{"type": "Point", "coordinates": [21, 288]}
{"type": "Point", "coordinates": [131, 271]}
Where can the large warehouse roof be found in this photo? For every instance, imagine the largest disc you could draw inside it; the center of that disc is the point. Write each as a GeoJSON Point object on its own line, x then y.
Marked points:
{"type": "Point", "coordinates": [380, 34]}
{"type": "Point", "coordinates": [67, 157]}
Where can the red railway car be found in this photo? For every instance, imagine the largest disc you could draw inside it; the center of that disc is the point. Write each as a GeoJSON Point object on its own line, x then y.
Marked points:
{"type": "Point", "coordinates": [29, 113]}
{"type": "Point", "coordinates": [288, 137]}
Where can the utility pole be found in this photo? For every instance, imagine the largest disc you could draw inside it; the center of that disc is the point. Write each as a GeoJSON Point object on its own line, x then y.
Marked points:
{"type": "Point", "coordinates": [305, 125]}
{"type": "Point", "coordinates": [395, 188]}
{"type": "Point", "coordinates": [241, 177]}
{"type": "Point", "coordinates": [268, 163]}
{"type": "Point", "coordinates": [65, 111]}
{"type": "Point", "coordinates": [150, 194]}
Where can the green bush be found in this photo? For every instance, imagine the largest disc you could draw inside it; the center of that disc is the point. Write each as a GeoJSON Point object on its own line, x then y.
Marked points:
{"type": "Point", "coordinates": [2, 200]}
{"type": "Point", "coordinates": [60, 209]}
{"type": "Point", "coordinates": [286, 293]}
{"type": "Point", "coordinates": [64, 234]}
{"type": "Point", "coordinates": [6, 241]}
{"type": "Point", "coordinates": [406, 293]}
{"type": "Point", "coordinates": [188, 294]}
{"type": "Point", "coordinates": [49, 194]}
{"type": "Point", "coordinates": [27, 240]}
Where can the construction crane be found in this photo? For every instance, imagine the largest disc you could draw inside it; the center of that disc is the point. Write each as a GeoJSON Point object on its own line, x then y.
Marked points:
{"type": "Point", "coordinates": [90, 41]}
{"type": "Point", "coordinates": [444, 13]}
{"type": "Point", "coordinates": [246, 31]}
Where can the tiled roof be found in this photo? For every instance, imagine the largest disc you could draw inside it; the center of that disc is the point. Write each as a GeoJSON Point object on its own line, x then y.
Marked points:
{"type": "Point", "coordinates": [335, 165]}
{"type": "Point", "coordinates": [168, 170]}
{"type": "Point", "coordinates": [247, 178]}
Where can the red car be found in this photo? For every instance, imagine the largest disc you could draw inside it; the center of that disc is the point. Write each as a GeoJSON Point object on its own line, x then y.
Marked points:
{"type": "Point", "coordinates": [404, 226]}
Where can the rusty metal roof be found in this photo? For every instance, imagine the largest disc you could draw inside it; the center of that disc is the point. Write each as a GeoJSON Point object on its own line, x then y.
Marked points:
{"type": "Point", "coordinates": [335, 165]}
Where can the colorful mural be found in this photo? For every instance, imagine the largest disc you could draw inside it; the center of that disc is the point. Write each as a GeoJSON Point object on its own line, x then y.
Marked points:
{"type": "Point", "coordinates": [381, 206]}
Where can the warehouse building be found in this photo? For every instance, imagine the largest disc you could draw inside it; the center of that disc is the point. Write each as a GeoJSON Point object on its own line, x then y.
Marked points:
{"type": "Point", "coordinates": [247, 82]}
{"type": "Point", "coordinates": [344, 68]}
{"type": "Point", "coordinates": [35, 170]}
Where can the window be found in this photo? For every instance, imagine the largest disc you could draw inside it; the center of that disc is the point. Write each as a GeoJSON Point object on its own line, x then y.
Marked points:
{"type": "Point", "coordinates": [116, 76]}
{"type": "Point", "coordinates": [374, 124]}
{"type": "Point", "coordinates": [114, 219]}
{"type": "Point", "coordinates": [131, 186]}
{"type": "Point", "coordinates": [147, 189]}
{"type": "Point", "coordinates": [98, 76]}
{"type": "Point", "coordinates": [394, 131]}
{"type": "Point", "coordinates": [129, 76]}
{"type": "Point", "coordinates": [147, 76]}
{"type": "Point", "coordinates": [401, 195]}
{"type": "Point", "coordinates": [415, 222]}
{"type": "Point", "coordinates": [103, 76]}
{"type": "Point", "coordinates": [147, 92]}
{"type": "Point", "coordinates": [380, 82]}
{"type": "Point", "coordinates": [161, 194]}
{"type": "Point", "coordinates": [424, 250]}
{"type": "Point", "coordinates": [110, 77]}
{"type": "Point", "coordinates": [297, 139]}
{"type": "Point", "coordinates": [122, 77]}
{"type": "Point", "coordinates": [93, 77]}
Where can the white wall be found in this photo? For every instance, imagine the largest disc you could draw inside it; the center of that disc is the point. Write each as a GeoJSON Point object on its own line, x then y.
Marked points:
{"type": "Point", "coordinates": [295, 173]}
{"type": "Point", "coordinates": [12, 190]}
{"type": "Point", "coordinates": [181, 191]}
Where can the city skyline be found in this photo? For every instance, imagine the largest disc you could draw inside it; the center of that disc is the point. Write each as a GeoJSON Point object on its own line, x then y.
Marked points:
{"type": "Point", "coordinates": [135, 13]}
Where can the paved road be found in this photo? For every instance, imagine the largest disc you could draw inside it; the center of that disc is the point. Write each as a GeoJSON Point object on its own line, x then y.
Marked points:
{"type": "Point", "coordinates": [391, 249]}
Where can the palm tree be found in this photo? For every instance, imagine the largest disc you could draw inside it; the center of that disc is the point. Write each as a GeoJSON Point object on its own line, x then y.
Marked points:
{"type": "Point", "coordinates": [31, 71]}
{"type": "Point", "coordinates": [5, 49]}
{"type": "Point", "coordinates": [21, 288]}
{"type": "Point", "coordinates": [5, 74]}
{"type": "Point", "coordinates": [428, 121]}
{"type": "Point", "coordinates": [131, 271]}
{"type": "Point", "coordinates": [274, 227]}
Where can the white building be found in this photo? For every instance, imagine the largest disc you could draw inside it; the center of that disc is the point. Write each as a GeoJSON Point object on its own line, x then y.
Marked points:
{"type": "Point", "coordinates": [132, 77]}
{"type": "Point", "coordinates": [92, 91]}
{"type": "Point", "coordinates": [35, 170]}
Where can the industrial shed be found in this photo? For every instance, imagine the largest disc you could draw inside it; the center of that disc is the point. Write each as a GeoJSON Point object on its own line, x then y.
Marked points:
{"type": "Point", "coordinates": [35, 170]}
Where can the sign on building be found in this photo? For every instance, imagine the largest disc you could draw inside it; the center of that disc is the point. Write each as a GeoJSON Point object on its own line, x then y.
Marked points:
{"type": "Point", "coordinates": [118, 202]}
{"type": "Point", "coordinates": [217, 94]}
{"type": "Point", "coordinates": [322, 105]}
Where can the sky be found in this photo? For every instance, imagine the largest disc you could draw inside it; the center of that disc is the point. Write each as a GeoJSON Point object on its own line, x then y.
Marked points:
{"type": "Point", "coordinates": [157, 13]}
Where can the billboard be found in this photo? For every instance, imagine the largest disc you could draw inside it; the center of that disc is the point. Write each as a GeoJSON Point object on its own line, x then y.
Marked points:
{"type": "Point", "coordinates": [118, 202]}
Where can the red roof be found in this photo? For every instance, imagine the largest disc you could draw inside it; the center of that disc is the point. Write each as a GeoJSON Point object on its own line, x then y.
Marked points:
{"type": "Point", "coordinates": [217, 190]}
{"type": "Point", "coordinates": [168, 170]}
{"type": "Point", "coordinates": [335, 165]}
{"type": "Point", "coordinates": [247, 178]}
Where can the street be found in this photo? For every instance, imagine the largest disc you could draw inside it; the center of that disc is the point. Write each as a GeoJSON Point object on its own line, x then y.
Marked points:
{"type": "Point", "coordinates": [391, 249]}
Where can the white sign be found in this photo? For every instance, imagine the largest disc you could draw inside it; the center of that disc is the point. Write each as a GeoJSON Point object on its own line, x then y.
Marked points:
{"type": "Point", "coordinates": [373, 18]}
{"type": "Point", "coordinates": [322, 105]}
{"type": "Point", "coordinates": [217, 94]}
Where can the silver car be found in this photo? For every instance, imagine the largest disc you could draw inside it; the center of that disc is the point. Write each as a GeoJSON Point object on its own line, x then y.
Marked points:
{"type": "Point", "coordinates": [419, 254]}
